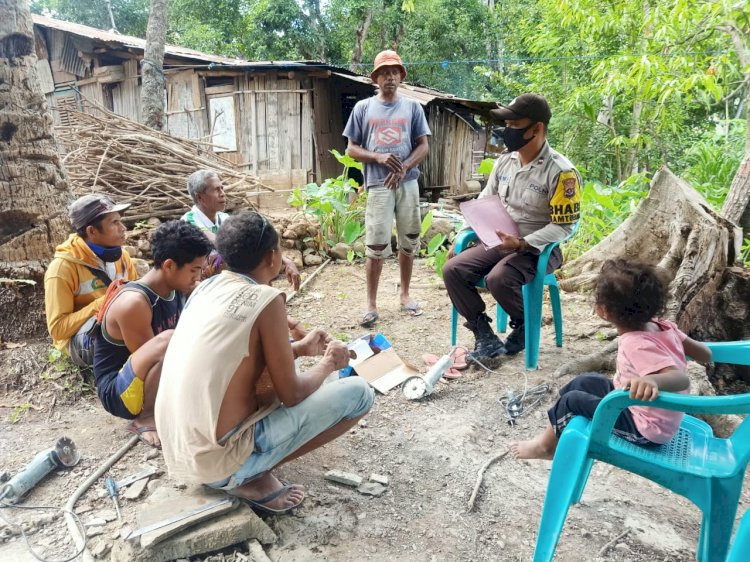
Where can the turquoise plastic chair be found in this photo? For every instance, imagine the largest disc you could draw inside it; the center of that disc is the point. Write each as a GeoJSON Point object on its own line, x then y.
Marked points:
{"type": "Point", "coordinates": [741, 548]}
{"type": "Point", "coordinates": [533, 295]}
{"type": "Point", "coordinates": [705, 469]}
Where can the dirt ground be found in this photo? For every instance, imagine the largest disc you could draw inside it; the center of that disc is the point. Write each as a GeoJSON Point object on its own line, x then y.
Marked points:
{"type": "Point", "coordinates": [431, 451]}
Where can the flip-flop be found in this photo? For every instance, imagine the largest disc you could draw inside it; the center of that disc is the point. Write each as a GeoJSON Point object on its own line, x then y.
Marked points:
{"type": "Point", "coordinates": [412, 309]}
{"type": "Point", "coordinates": [369, 319]}
{"type": "Point", "coordinates": [459, 358]}
{"type": "Point", "coordinates": [259, 506]}
{"type": "Point", "coordinates": [451, 373]}
{"type": "Point", "coordinates": [140, 430]}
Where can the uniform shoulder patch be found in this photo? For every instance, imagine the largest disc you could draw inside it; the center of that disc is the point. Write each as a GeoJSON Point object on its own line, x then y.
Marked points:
{"type": "Point", "coordinates": [566, 202]}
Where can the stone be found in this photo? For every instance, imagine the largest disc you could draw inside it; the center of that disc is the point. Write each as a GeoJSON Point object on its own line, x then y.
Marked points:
{"type": "Point", "coordinates": [84, 508]}
{"type": "Point", "coordinates": [131, 250]}
{"type": "Point", "coordinates": [94, 531]}
{"type": "Point", "coordinates": [346, 478]}
{"type": "Point", "coordinates": [313, 259]}
{"type": "Point", "coordinates": [339, 251]}
{"type": "Point", "coordinates": [237, 526]}
{"type": "Point", "coordinates": [95, 522]}
{"type": "Point", "coordinates": [144, 245]}
{"type": "Point", "coordinates": [359, 247]}
{"type": "Point", "coordinates": [379, 478]}
{"type": "Point", "coordinates": [154, 221]}
{"type": "Point", "coordinates": [141, 266]}
{"type": "Point", "coordinates": [106, 514]}
{"type": "Point", "coordinates": [438, 226]}
{"type": "Point", "coordinates": [372, 489]}
{"type": "Point", "coordinates": [288, 244]}
{"type": "Point", "coordinates": [301, 229]}
{"type": "Point", "coordinates": [256, 552]}
{"type": "Point", "coordinates": [310, 243]}
{"type": "Point", "coordinates": [151, 454]}
{"type": "Point", "coordinates": [100, 549]}
{"type": "Point", "coordinates": [362, 423]}
{"type": "Point", "coordinates": [289, 234]}
{"type": "Point", "coordinates": [134, 491]}
{"type": "Point", "coordinates": [153, 485]}
{"type": "Point", "coordinates": [294, 255]}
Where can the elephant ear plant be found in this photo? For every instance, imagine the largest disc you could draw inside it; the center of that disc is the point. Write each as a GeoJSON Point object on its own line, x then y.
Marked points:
{"type": "Point", "coordinates": [335, 204]}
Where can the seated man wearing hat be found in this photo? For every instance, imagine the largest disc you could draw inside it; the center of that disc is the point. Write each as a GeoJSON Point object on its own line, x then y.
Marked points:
{"type": "Point", "coordinates": [541, 190]}
{"type": "Point", "coordinates": [83, 267]}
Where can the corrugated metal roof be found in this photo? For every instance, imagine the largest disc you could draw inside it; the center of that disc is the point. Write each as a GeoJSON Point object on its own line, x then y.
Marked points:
{"type": "Point", "coordinates": [424, 96]}
{"type": "Point", "coordinates": [125, 40]}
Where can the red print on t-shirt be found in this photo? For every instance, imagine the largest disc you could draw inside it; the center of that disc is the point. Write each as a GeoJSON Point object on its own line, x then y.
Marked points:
{"type": "Point", "coordinates": [388, 136]}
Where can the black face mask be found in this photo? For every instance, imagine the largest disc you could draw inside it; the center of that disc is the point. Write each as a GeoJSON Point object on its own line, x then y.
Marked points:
{"type": "Point", "coordinates": [513, 138]}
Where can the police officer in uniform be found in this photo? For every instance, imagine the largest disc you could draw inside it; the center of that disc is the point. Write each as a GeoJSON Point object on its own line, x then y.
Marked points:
{"type": "Point", "coordinates": [541, 191]}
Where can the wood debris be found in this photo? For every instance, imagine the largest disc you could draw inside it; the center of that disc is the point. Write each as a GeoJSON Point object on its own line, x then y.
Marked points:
{"type": "Point", "coordinates": [105, 153]}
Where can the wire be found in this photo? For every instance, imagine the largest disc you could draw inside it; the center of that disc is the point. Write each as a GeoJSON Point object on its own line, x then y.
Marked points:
{"type": "Point", "coordinates": [5, 505]}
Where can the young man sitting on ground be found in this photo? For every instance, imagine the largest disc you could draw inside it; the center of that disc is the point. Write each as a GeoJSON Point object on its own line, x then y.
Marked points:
{"type": "Point", "coordinates": [137, 322]}
{"type": "Point", "coordinates": [236, 407]}
{"type": "Point", "coordinates": [82, 269]}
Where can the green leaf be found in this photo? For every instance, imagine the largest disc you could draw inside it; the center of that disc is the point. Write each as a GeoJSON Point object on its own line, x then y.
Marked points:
{"type": "Point", "coordinates": [485, 167]}
{"type": "Point", "coordinates": [435, 243]}
{"type": "Point", "coordinates": [426, 224]}
{"type": "Point", "coordinates": [352, 230]}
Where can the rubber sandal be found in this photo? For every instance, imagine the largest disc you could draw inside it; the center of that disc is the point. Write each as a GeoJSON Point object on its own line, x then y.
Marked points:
{"type": "Point", "coordinates": [369, 319]}
{"type": "Point", "coordinates": [430, 359]}
{"type": "Point", "coordinates": [452, 373]}
{"type": "Point", "coordinates": [412, 309]}
{"type": "Point", "coordinates": [140, 430]}
{"type": "Point", "coordinates": [459, 358]}
{"type": "Point", "coordinates": [259, 506]}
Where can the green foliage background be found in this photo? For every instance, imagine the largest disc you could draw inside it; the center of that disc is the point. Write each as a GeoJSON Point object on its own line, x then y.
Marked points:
{"type": "Point", "coordinates": [633, 84]}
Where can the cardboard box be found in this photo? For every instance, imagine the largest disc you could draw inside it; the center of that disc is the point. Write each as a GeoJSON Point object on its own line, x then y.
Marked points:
{"type": "Point", "coordinates": [378, 363]}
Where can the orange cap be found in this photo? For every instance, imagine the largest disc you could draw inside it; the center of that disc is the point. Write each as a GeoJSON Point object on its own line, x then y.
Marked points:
{"type": "Point", "coordinates": [387, 58]}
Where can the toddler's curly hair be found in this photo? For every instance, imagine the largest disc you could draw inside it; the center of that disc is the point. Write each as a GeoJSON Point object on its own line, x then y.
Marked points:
{"type": "Point", "coordinates": [631, 292]}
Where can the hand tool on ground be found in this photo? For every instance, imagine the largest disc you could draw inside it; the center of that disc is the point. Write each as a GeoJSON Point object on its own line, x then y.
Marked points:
{"type": "Point", "coordinates": [63, 455]}
{"type": "Point", "coordinates": [113, 492]}
{"type": "Point", "coordinates": [418, 387]}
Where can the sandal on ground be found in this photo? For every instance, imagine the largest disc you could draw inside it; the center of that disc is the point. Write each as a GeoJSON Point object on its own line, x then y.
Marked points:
{"type": "Point", "coordinates": [259, 506]}
{"type": "Point", "coordinates": [140, 430]}
{"type": "Point", "coordinates": [451, 373]}
{"type": "Point", "coordinates": [369, 319]}
{"type": "Point", "coordinates": [459, 358]}
{"type": "Point", "coordinates": [412, 309]}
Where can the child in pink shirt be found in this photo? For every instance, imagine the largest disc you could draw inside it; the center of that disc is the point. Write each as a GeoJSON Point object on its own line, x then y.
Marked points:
{"type": "Point", "coordinates": [650, 358]}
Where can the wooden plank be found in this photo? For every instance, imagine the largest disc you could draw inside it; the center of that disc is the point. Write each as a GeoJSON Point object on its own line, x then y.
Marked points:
{"type": "Point", "coordinates": [262, 134]}
{"type": "Point", "coordinates": [307, 158]}
{"type": "Point", "coordinates": [223, 89]}
{"type": "Point", "coordinates": [272, 126]}
{"type": "Point", "coordinates": [44, 72]}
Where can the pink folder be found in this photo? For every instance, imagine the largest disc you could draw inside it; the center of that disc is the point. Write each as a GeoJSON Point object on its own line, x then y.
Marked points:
{"type": "Point", "coordinates": [487, 215]}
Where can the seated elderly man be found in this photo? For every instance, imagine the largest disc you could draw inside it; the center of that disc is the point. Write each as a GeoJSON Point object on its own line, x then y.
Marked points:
{"type": "Point", "coordinates": [207, 192]}
{"type": "Point", "coordinates": [83, 267]}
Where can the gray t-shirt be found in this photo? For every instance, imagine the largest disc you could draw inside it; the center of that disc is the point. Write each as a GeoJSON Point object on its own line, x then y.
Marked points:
{"type": "Point", "coordinates": [387, 127]}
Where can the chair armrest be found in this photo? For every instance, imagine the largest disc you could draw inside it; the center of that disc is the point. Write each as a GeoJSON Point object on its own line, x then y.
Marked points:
{"type": "Point", "coordinates": [735, 352]}
{"type": "Point", "coordinates": [464, 238]}
{"type": "Point", "coordinates": [616, 401]}
{"type": "Point", "coordinates": [541, 266]}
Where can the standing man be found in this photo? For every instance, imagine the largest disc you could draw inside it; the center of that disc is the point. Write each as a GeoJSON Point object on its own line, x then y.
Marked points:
{"type": "Point", "coordinates": [83, 267]}
{"type": "Point", "coordinates": [207, 192]}
{"type": "Point", "coordinates": [541, 191]}
{"type": "Point", "coordinates": [388, 133]}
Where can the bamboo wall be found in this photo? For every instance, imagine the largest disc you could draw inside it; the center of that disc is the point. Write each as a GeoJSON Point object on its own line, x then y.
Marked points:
{"type": "Point", "coordinates": [449, 163]}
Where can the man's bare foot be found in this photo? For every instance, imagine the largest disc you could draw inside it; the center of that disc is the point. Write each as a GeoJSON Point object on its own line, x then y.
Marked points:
{"type": "Point", "coordinates": [410, 306]}
{"type": "Point", "coordinates": [145, 428]}
{"type": "Point", "coordinates": [531, 449]}
{"type": "Point", "coordinates": [267, 485]}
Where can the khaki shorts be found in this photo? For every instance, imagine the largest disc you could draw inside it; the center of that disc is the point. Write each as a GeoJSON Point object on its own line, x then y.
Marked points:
{"type": "Point", "coordinates": [382, 205]}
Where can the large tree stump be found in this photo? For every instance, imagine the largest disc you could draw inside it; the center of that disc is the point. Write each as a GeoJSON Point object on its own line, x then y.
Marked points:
{"type": "Point", "coordinates": [33, 187]}
{"type": "Point", "coordinates": [676, 229]}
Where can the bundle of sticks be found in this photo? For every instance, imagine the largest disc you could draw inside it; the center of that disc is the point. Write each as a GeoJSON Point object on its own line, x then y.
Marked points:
{"type": "Point", "coordinates": [106, 153]}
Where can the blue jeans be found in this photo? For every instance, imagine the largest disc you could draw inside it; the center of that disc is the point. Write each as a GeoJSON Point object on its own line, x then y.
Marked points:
{"type": "Point", "coordinates": [285, 430]}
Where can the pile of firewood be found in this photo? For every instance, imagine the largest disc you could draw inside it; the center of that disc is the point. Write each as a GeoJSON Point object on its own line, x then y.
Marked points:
{"type": "Point", "coordinates": [105, 153]}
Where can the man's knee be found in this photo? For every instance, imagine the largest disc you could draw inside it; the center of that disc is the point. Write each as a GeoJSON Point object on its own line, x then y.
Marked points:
{"type": "Point", "coordinates": [502, 279]}
{"type": "Point", "coordinates": [409, 244]}
{"type": "Point", "coordinates": [377, 251]}
{"type": "Point", "coordinates": [358, 395]}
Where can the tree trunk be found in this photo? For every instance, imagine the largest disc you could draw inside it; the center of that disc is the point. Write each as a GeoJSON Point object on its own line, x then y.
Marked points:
{"type": "Point", "coordinates": [359, 42]}
{"type": "Point", "coordinates": [676, 229]}
{"type": "Point", "coordinates": [33, 187]}
{"type": "Point", "coordinates": [152, 65]}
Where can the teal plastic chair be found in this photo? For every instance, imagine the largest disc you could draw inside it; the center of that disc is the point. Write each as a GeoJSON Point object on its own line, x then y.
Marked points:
{"type": "Point", "coordinates": [741, 547]}
{"type": "Point", "coordinates": [533, 295]}
{"type": "Point", "coordinates": [705, 469]}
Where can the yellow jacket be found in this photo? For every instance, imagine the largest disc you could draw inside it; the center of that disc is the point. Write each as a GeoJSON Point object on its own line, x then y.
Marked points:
{"type": "Point", "coordinates": [72, 293]}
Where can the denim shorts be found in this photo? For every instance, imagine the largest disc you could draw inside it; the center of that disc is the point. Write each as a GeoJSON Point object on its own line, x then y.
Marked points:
{"type": "Point", "coordinates": [285, 430]}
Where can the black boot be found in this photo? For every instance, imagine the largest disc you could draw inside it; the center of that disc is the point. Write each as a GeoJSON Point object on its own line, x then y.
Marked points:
{"type": "Point", "coordinates": [487, 345]}
{"type": "Point", "coordinates": [516, 341]}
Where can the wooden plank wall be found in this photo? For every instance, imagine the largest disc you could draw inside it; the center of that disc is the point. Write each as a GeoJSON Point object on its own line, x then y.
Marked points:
{"type": "Point", "coordinates": [450, 159]}
{"type": "Point", "coordinates": [126, 95]}
{"type": "Point", "coordinates": [186, 111]}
